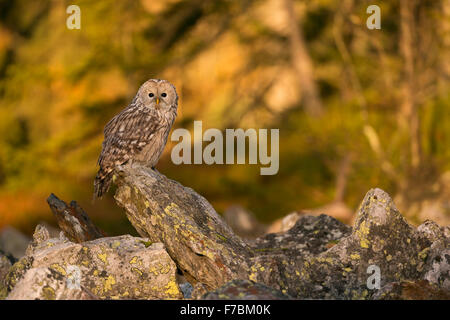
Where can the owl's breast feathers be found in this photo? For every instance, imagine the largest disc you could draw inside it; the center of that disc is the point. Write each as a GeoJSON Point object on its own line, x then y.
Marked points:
{"type": "Point", "coordinates": [137, 133]}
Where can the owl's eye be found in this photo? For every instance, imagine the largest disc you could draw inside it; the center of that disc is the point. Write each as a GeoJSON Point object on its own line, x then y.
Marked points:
{"type": "Point", "coordinates": [151, 95]}
{"type": "Point", "coordinates": [163, 94]}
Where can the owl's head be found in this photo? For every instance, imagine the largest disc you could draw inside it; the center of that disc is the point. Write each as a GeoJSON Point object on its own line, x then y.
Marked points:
{"type": "Point", "coordinates": [158, 94]}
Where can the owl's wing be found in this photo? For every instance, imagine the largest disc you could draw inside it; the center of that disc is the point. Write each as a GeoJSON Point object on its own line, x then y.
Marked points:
{"type": "Point", "coordinates": [127, 134]}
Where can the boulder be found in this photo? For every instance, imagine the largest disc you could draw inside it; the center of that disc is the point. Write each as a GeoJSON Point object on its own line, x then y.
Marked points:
{"type": "Point", "coordinates": [123, 267]}
{"type": "Point", "coordinates": [186, 250]}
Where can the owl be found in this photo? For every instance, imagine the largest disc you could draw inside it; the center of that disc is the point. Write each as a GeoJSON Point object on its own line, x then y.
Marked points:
{"type": "Point", "coordinates": [139, 133]}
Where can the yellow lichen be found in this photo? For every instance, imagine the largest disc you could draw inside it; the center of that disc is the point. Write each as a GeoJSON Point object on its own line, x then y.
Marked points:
{"type": "Point", "coordinates": [172, 289]}
{"type": "Point", "coordinates": [170, 208]}
{"type": "Point", "coordinates": [137, 271]}
{"type": "Point", "coordinates": [133, 260]}
{"type": "Point", "coordinates": [58, 268]}
{"type": "Point", "coordinates": [102, 256]}
{"type": "Point", "coordinates": [48, 293]}
{"type": "Point", "coordinates": [147, 243]}
{"type": "Point", "coordinates": [423, 254]}
{"type": "Point", "coordinates": [364, 243]}
{"type": "Point", "coordinates": [109, 282]}
{"type": "Point", "coordinates": [115, 244]}
{"type": "Point", "coordinates": [362, 233]}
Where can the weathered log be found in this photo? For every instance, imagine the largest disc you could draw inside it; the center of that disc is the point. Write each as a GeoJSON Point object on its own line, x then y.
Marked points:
{"type": "Point", "coordinates": [73, 221]}
{"type": "Point", "coordinates": [205, 249]}
{"type": "Point", "coordinates": [318, 258]}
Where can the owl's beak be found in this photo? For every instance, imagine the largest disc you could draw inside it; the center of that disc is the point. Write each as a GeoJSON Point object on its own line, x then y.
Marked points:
{"type": "Point", "coordinates": [157, 101]}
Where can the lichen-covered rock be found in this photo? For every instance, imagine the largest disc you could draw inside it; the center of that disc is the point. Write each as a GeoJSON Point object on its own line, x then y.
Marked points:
{"type": "Point", "coordinates": [438, 261]}
{"type": "Point", "coordinates": [319, 258]}
{"type": "Point", "coordinates": [122, 267]}
{"type": "Point", "coordinates": [5, 266]}
{"type": "Point", "coordinates": [245, 290]}
{"type": "Point", "coordinates": [381, 238]}
{"type": "Point", "coordinates": [309, 235]}
{"type": "Point", "coordinates": [280, 257]}
{"type": "Point", "coordinates": [203, 246]}
{"type": "Point", "coordinates": [47, 284]}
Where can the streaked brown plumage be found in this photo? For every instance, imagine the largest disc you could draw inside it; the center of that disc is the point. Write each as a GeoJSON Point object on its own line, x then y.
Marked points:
{"type": "Point", "coordinates": [139, 133]}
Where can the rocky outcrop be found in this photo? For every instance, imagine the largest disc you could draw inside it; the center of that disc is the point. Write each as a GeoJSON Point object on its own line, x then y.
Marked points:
{"type": "Point", "coordinates": [186, 250]}
{"type": "Point", "coordinates": [318, 258]}
{"type": "Point", "coordinates": [122, 267]}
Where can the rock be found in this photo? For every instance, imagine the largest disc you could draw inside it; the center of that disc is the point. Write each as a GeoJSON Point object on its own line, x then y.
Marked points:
{"type": "Point", "coordinates": [243, 222]}
{"type": "Point", "coordinates": [382, 238]}
{"type": "Point", "coordinates": [47, 284]}
{"type": "Point", "coordinates": [282, 257]}
{"type": "Point", "coordinates": [309, 235]}
{"type": "Point", "coordinates": [5, 265]}
{"type": "Point", "coordinates": [198, 291]}
{"type": "Point", "coordinates": [123, 267]}
{"type": "Point", "coordinates": [408, 290]}
{"type": "Point", "coordinates": [336, 209]}
{"type": "Point", "coordinates": [203, 246]}
{"type": "Point", "coordinates": [186, 288]}
{"type": "Point", "coordinates": [285, 223]}
{"type": "Point", "coordinates": [438, 260]}
{"type": "Point", "coordinates": [318, 258]}
{"type": "Point", "coordinates": [245, 290]}
{"type": "Point", "coordinates": [13, 242]}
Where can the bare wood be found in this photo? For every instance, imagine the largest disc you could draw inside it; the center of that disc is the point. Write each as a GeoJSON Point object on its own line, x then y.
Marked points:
{"type": "Point", "coordinates": [409, 110]}
{"type": "Point", "coordinates": [73, 221]}
{"type": "Point", "coordinates": [303, 64]}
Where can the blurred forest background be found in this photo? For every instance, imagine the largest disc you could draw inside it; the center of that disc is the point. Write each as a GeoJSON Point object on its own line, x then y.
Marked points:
{"type": "Point", "coordinates": [356, 108]}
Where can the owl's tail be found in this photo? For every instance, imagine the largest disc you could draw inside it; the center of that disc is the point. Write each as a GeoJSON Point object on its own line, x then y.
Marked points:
{"type": "Point", "coordinates": [102, 183]}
